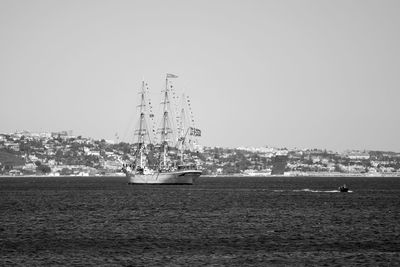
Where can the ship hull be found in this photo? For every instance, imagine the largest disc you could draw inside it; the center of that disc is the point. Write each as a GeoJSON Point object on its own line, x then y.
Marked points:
{"type": "Point", "coordinates": [177, 177]}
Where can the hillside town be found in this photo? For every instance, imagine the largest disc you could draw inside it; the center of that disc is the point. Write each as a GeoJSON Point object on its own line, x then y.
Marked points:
{"type": "Point", "coordinates": [62, 154]}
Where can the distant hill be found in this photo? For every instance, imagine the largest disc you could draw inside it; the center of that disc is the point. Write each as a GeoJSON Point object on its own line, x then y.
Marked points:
{"type": "Point", "coordinates": [7, 158]}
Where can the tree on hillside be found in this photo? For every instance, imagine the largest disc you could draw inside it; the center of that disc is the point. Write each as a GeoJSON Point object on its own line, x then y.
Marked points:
{"type": "Point", "coordinates": [43, 169]}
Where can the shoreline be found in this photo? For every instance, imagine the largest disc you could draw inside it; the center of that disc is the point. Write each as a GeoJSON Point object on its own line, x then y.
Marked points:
{"type": "Point", "coordinates": [311, 175]}
{"type": "Point", "coordinates": [301, 176]}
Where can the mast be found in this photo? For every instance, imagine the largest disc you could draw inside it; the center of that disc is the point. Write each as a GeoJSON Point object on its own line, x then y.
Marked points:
{"type": "Point", "coordinates": [165, 124]}
{"type": "Point", "coordinates": [187, 131]}
{"type": "Point", "coordinates": [182, 135]}
{"type": "Point", "coordinates": [182, 128]}
{"type": "Point", "coordinates": [141, 132]}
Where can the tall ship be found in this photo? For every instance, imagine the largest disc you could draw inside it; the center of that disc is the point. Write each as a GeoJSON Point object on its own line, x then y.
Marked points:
{"type": "Point", "coordinates": [164, 156]}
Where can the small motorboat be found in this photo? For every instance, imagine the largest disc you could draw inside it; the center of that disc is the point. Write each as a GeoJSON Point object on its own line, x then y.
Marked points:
{"type": "Point", "coordinates": [343, 188]}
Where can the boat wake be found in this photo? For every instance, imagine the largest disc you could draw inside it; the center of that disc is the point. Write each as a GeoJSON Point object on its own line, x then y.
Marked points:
{"type": "Point", "coordinates": [313, 191]}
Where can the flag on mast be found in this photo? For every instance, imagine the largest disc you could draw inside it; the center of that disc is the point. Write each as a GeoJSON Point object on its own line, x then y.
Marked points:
{"type": "Point", "coordinates": [194, 131]}
{"type": "Point", "coordinates": [169, 75]}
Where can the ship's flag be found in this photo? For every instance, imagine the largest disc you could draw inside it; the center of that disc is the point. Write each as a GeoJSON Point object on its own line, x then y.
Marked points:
{"type": "Point", "coordinates": [195, 131]}
{"type": "Point", "coordinates": [169, 75]}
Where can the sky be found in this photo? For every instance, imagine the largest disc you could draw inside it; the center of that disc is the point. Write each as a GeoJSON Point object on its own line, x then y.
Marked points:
{"type": "Point", "coordinates": [301, 73]}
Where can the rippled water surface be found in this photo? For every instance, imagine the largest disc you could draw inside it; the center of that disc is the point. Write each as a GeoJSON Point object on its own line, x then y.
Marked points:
{"type": "Point", "coordinates": [218, 221]}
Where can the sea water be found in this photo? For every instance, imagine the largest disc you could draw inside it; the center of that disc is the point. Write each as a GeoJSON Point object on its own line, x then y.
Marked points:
{"type": "Point", "coordinates": [217, 221]}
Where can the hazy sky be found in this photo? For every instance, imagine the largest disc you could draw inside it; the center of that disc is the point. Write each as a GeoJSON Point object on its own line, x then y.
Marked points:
{"type": "Point", "coordinates": [308, 74]}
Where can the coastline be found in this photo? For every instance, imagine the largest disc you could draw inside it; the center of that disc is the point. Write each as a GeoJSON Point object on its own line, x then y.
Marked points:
{"type": "Point", "coordinates": [327, 175]}
{"type": "Point", "coordinates": [61, 176]}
